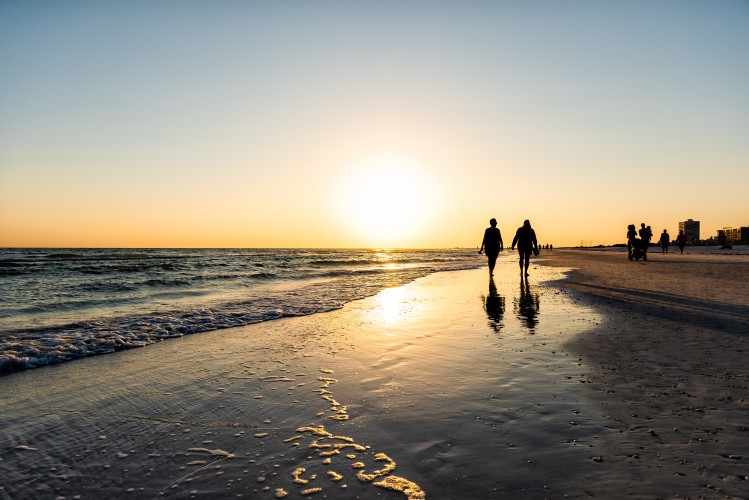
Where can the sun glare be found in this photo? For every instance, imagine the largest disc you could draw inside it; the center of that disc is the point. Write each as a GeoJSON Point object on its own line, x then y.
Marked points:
{"type": "Point", "coordinates": [387, 199]}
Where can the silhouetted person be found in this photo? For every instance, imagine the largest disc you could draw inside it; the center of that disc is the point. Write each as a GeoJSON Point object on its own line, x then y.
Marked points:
{"type": "Point", "coordinates": [665, 241]}
{"type": "Point", "coordinates": [527, 306]}
{"type": "Point", "coordinates": [645, 235]}
{"type": "Point", "coordinates": [494, 305]}
{"type": "Point", "coordinates": [681, 240]}
{"type": "Point", "coordinates": [525, 237]}
{"type": "Point", "coordinates": [492, 244]}
{"type": "Point", "coordinates": [724, 243]}
{"type": "Point", "coordinates": [632, 241]}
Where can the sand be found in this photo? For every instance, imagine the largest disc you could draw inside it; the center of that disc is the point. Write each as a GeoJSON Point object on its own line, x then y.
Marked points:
{"type": "Point", "coordinates": [669, 370]}
{"type": "Point", "coordinates": [589, 385]}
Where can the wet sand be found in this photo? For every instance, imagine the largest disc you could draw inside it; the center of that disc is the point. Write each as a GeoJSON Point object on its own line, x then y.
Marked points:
{"type": "Point", "coordinates": [443, 388]}
{"type": "Point", "coordinates": [668, 370]}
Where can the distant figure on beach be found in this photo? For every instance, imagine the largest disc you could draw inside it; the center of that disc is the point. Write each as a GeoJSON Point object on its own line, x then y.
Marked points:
{"type": "Point", "coordinates": [645, 235]}
{"type": "Point", "coordinates": [665, 241]}
{"type": "Point", "coordinates": [494, 305]}
{"type": "Point", "coordinates": [525, 238]}
{"type": "Point", "coordinates": [631, 241]}
{"type": "Point", "coordinates": [681, 240]}
{"type": "Point", "coordinates": [492, 244]}
{"type": "Point", "coordinates": [724, 243]}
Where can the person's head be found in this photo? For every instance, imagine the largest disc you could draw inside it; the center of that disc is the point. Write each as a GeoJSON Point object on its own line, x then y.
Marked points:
{"type": "Point", "coordinates": [664, 230]}
{"type": "Point", "coordinates": [526, 223]}
{"type": "Point", "coordinates": [642, 225]}
{"type": "Point", "coordinates": [631, 227]}
{"type": "Point", "coordinates": [681, 231]}
{"type": "Point", "coordinates": [493, 222]}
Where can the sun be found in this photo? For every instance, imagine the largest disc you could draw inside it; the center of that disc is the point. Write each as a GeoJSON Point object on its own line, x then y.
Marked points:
{"type": "Point", "coordinates": [387, 199]}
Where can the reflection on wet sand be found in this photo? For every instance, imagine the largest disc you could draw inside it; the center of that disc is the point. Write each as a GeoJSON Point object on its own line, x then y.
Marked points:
{"type": "Point", "coordinates": [494, 305]}
{"type": "Point", "coordinates": [527, 306]}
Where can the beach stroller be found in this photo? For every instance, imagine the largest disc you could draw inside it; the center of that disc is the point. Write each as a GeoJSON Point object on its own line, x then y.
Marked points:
{"type": "Point", "coordinates": [638, 250]}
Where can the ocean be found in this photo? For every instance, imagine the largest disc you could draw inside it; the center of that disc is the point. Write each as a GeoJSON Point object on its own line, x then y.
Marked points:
{"type": "Point", "coordinates": [58, 305]}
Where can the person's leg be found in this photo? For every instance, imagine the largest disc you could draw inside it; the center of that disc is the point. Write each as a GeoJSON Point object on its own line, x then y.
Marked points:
{"type": "Point", "coordinates": [527, 261]}
{"type": "Point", "coordinates": [492, 263]}
{"type": "Point", "coordinates": [520, 261]}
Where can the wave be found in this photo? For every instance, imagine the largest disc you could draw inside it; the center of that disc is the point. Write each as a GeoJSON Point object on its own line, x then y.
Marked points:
{"type": "Point", "coordinates": [32, 348]}
{"type": "Point", "coordinates": [166, 282]}
{"type": "Point", "coordinates": [159, 294]}
{"type": "Point", "coordinates": [106, 287]}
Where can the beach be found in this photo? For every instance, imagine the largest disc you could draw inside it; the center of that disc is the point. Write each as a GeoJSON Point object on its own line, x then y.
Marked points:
{"type": "Point", "coordinates": [668, 369]}
{"type": "Point", "coordinates": [595, 377]}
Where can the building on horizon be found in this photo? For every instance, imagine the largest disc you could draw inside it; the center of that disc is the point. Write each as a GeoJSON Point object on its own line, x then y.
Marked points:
{"type": "Point", "coordinates": [691, 228]}
{"type": "Point", "coordinates": [736, 235]}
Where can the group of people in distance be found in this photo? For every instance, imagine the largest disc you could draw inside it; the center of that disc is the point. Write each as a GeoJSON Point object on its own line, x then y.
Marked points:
{"type": "Point", "coordinates": [637, 248]}
{"type": "Point", "coordinates": [525, 239]}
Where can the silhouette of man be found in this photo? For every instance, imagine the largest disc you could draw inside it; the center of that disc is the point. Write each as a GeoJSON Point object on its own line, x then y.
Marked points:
{"type": "Point", "coordinates": [665, 240]}
{"type": "Point", "coordinates": [681, 240]}
{"type": "Point", "coordinates": [492, 243]}
{"type": "Point", "coordinates": [525, 237]}
{"type": "Point", "coordinates": [645, 234]}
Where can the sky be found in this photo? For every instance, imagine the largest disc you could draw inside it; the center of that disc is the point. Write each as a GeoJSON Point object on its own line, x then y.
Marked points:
{"type": "Point", "coordinates": [369, 124]}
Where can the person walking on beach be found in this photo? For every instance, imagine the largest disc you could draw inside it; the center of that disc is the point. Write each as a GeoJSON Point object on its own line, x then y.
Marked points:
{"type": "Point", "coordinates": [645, 235]}
{"type": "Point", "coordinates": [492, 244]}
{"type": "Point", "coordinates": [665, 240]}
{"type": "Point", "coordinates": [681, 240]}
{"type": "Point", "coordinates": [525, 238]}
{"type": "Point", "coordinates": [631, 241]}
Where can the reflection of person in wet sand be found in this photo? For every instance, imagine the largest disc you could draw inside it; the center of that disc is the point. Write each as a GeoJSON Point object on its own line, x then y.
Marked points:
{"type": "Point", "coordinates": [492, 244]}
{"type": "Point", "coordinates": [527, 306]}
{"type": "Point", "coordinates": [525, 238]}
{"type": "Point", "coordinates": [494, 305]}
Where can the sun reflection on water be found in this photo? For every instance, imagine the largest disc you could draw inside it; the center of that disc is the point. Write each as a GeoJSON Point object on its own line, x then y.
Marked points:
{"type": "Point", "coordinates": [391, 305]}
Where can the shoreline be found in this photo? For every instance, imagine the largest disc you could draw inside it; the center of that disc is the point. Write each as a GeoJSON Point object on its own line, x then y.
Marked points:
{"type": "Point", "coordinates": [562, 385]}
{"type": "Point", "coordinates": [462, 386]}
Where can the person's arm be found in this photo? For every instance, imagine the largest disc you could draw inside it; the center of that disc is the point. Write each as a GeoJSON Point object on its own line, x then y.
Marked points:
{"type": "Point", "coordinates": [535, 242]}
{"type": "Point", "coordinates": [481, 250]}
{"type": "Point", "coordinates": [515, 240]}
{"type": "Point", "coordinates": [501, 244]}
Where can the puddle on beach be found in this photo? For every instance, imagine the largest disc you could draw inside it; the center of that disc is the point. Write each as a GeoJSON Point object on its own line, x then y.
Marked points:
{"type": "Point", "coordinates": [452, 386]}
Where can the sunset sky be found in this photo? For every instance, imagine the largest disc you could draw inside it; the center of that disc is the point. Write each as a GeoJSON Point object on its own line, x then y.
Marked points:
{"type": "Point", "coordinates": [359, 124]}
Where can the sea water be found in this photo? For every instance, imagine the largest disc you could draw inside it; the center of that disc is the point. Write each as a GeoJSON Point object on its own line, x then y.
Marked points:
{"type": "Point", "coordinates": [62, 304]}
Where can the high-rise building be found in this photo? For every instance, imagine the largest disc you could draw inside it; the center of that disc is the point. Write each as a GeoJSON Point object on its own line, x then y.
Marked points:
{"type": "Point", "coordinates": [692, 229]}
{"type": "Point", "coordinates": [735, 234]}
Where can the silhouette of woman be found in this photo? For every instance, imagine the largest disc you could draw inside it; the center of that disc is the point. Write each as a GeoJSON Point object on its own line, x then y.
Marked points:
{"type": "Point", "coordinates": [492, 243]}
{"type": "Point", "coordinates": [525, 237]}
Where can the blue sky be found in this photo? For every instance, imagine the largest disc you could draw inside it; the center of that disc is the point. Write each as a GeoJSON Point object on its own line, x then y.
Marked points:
{"type": "Point", "coordinates": [231, 123]}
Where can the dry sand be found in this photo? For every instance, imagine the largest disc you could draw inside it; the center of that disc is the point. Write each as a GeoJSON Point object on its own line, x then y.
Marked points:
{"type": "Point", "coordinates": [615, 384]}
{"type": "Point", "coordinates": [670, 370]}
